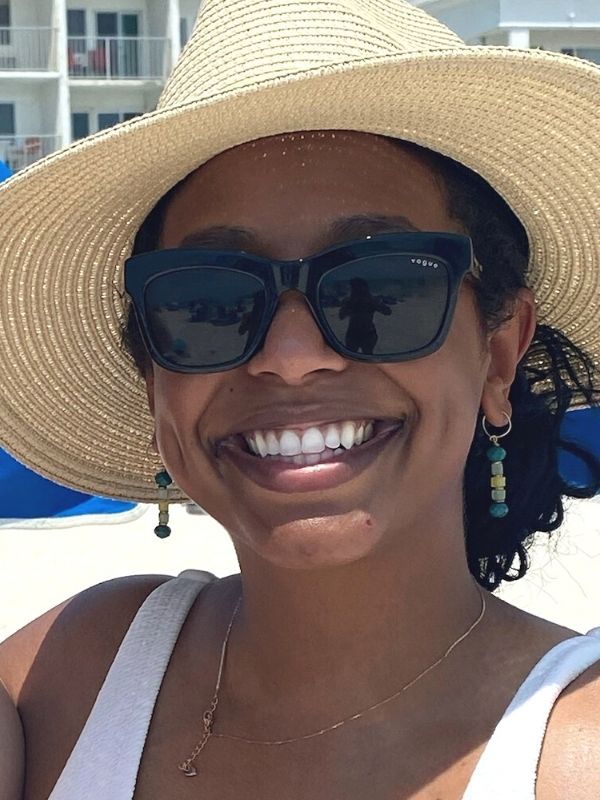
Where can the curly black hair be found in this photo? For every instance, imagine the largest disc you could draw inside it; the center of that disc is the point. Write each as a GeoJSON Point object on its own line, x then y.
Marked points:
{"type": "Point", "coordinates": [551, 376]}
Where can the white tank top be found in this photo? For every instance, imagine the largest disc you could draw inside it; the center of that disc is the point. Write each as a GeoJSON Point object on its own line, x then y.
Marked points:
{"type": "Point", "coordinates": [105, 761]}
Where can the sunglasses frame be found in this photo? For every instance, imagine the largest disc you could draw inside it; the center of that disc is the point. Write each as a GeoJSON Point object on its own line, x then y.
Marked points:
{"type": "Point", "coordinates": [304, 275]}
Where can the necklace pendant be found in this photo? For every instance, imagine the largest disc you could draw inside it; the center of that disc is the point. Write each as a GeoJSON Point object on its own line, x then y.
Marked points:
{"type": "Point", "coordinates": [189, 770]}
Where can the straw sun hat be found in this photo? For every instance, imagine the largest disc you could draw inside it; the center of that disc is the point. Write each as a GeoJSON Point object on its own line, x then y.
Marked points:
{"type": "Point", "coordinates": [71, 405]}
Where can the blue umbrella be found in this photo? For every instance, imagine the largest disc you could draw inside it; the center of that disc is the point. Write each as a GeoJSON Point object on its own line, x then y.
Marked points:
{"type": "Point", "coordinates": [5, 171]}
{"type": "Point", "coordinates": [27, 495]}
{"type": "Point", "coordinates": [582, 427]}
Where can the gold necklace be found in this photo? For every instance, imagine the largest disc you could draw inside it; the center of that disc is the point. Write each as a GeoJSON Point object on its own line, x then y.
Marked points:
{"type": "Point", "coordinates": [208, 718]}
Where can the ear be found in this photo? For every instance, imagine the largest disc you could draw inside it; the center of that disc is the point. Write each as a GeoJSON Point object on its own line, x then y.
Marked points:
{"type": "Point", "coordinates": [506, 347]}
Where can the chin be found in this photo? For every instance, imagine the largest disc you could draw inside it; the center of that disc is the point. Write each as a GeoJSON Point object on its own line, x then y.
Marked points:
{"type": "Point", "coordinates": [316, 542]}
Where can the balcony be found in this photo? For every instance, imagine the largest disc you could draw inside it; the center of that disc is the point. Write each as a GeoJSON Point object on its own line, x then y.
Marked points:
{"type": "Point", "coordinates": [119, 58]}
{"type": "Point", "coordinates": [25, 49]}
{"type": "Point", "coordinates": [21, 151]}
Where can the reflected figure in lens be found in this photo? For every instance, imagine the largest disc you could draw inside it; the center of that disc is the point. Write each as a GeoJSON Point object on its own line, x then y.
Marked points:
{"type": "Point", "coordinates": [360, 307]}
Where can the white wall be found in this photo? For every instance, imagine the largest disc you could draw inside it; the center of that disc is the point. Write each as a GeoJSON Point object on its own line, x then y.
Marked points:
{"type": "Point", "coordinates": [551, 12]}
{"type": "Point", "coordinates": [468, 18]}
{"type": "Point", "coordinates": [189, 10]}
{"type": "Point", "coordinates": [156, 17]}
{"type": "Point", "coordinates": [557, 39]}
{"type": "Point", "coordinates": [31, 13]}
{"type": "Point", "coordinates": [101, 100]}
{"type": "Point", "coordinates": [35, 106]}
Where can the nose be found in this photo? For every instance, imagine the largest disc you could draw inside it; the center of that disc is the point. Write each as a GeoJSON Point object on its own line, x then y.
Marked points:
{"type": "Point", "coordinates": [294, 348]}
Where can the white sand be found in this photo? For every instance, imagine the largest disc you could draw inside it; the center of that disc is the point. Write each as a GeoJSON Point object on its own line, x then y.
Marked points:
{"type": "Point", "coordinates": [40, 568]}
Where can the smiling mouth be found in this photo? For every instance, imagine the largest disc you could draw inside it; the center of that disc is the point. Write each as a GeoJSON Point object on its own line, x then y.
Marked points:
{"type": "Point", "coordinates": [307, 447]}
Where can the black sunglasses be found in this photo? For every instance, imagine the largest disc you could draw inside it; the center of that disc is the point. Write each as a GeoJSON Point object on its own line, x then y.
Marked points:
{"type": "Point", "coordinates": [384, 298]}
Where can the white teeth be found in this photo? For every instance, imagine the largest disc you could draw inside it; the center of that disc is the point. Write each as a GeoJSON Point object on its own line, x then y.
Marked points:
{"type": "Point", "coordinates": [324, 443]}
{"type": "Point", "coordinates": [272, 444]}
{"type": "Point", "coordinates": [312, 441]}
{"type": "Point", "coordinates": [260, 444]}
{"type": "Point", "coordinates": [359, 435]}
{"type": "Point", "coordinates": [347, 437]}
{"type": "Point", "coordinates": [312, 459]}
{"type": "Point", "coordinates": [332, 437]}
{"type": "Point", "coordinates": [290, 444]}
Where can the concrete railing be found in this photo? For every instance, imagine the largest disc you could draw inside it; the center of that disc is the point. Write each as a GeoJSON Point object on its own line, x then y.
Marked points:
{"type": "Point", "coordinates": [27, 49]}
{"type": "Point", "coordinates": [21, 151]}
{"type": "Point", "coordinates": [118, 57]}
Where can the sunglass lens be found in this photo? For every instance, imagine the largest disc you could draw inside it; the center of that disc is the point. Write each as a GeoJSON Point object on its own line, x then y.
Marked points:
{"type": "Point", "coordinates": [385, 305]}
{"type": "Point", "coordinates": [203, 317]}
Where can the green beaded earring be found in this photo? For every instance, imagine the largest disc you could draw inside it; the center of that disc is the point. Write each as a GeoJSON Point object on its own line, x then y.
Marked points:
{"type": "Point", "coordinates": [163, 481]}
{"type": "Point", "coordinates": [496, 455]}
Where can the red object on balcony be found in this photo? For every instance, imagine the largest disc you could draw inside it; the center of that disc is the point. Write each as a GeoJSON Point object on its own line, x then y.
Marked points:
{"type": "Point", "coordinates": [97, 61]}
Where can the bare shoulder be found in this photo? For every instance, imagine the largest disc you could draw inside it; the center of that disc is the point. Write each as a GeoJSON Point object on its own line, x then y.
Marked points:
{"type": "Point", "coordinates": [91, 623]}
{"type": "Point", "coordinates": [53, 669]}
{"type": "Point", "coordinates": [570, 761]}
{"type": "Point", "coordinates": [12, 751]}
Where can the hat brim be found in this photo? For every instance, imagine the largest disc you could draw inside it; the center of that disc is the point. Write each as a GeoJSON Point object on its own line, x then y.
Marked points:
{"type": "Point", "coordinates": [71, 403]}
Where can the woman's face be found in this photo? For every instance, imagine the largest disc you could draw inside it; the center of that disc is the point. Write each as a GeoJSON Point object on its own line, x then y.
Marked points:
{"type": "Point", "coordinates": [293, 196]}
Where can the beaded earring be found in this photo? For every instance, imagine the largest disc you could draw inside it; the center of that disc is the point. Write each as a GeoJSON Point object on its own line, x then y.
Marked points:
{"type": "Point", "coordinates": [163, 481]}
{"type": "Point", "coordinates": [496, 455]}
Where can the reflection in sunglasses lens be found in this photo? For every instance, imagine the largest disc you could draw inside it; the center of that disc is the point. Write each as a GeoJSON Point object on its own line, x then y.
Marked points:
{"type": "Point", "coordinates": [385, 304]}
{"type": "Point", "coordinates": [203, 316]}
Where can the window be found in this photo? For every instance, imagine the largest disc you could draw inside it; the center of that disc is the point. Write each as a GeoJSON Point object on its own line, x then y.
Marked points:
{"type": "Point", "coordinates": [107, 120]}
{"type": "Point", "coordinates": [112, 23]}
{"type": "Point", "coordinates": [4, 22]}
{"type": "Point", "coordinates": [7, 119]}
{"type": "Point", "coordinates": [589, 53]}
{"type": "Point", "coordinates": [80, 125]}
{"type": "Point", "coordinates": [76, 22]}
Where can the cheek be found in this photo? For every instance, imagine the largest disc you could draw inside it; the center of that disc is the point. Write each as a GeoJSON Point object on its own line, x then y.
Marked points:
{"type": "Point", "coordinates": [180, 403]}
{"type": "Point", "coordinates": [446, 388]}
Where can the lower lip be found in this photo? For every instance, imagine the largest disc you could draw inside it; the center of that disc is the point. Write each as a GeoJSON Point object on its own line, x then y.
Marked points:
{"type": "Point", "coordinates": [279, 476]}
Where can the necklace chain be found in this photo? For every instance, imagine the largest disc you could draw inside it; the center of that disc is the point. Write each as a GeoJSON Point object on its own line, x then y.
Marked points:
{"type": "Point", "coordinates": [208, 718]}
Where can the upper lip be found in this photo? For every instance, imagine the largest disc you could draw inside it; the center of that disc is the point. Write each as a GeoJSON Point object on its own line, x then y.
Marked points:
{"type": "Point", "coordinates": [300, 417]}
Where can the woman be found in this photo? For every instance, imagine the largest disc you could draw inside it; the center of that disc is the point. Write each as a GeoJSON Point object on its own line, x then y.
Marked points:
{"type": "Point", "coordinates": [360, 652]}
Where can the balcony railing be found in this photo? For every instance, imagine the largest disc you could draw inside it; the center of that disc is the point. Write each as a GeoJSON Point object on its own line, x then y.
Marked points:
{"type": "Point", "coordinates": [21, 151]}
{"type": "Point", "coordinates": [119, 57]}
{"type": "Point", "coordinates": [27, 49]}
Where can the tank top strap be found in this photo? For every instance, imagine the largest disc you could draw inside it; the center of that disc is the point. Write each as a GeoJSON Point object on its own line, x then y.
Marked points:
{"type": "Point", "coordinates": [105, 760]}
{"type": "Point", "coordinates": [516, 743]}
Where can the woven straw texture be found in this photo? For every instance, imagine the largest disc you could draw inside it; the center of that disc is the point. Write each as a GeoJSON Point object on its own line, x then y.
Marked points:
{"type": "Point", "coordinates": [71, 405]}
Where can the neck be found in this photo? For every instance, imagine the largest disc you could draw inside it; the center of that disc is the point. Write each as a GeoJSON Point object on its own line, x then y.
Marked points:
{"type": "Point", "coordinates": [315, 646]}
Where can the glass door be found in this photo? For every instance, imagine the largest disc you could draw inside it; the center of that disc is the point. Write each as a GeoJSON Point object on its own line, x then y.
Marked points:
{"type": "Point", "coordinates": [130, 57]}
{"type": "Point", "coordinates": [118, 36]}
{"type": "Point", "coordinates": [106, 58]}
{"type": "Point", "coordinates": [78, 46]}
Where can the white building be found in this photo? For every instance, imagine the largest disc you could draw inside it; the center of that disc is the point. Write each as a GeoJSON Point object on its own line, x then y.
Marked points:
{"type": "Point", "coordinates": [568, 26]}
{"type": "Point", "coordinates": [73, 67]}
